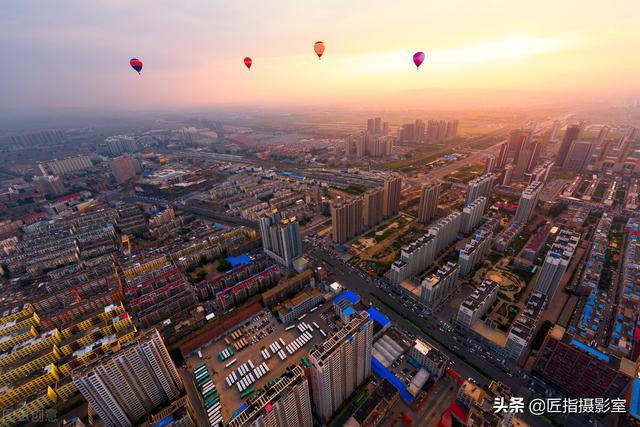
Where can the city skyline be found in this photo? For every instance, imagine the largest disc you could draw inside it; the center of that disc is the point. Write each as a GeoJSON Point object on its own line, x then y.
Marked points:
{"type": "Point", "coordinates": [77, 57]}
{"type": "Point", "coordinates": [209, 219]}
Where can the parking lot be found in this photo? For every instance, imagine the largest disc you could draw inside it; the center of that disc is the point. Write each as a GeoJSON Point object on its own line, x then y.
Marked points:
{"type": "Point", "coordinates": [261, 332]}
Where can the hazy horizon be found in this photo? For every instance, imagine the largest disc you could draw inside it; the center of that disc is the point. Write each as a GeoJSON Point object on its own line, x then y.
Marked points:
{"type": "Point", "coordinates": [72, 56]}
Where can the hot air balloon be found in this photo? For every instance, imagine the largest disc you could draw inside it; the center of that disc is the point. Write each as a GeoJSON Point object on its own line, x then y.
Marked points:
{"type": "Point", "coordinates": [319, 48]}
{"type": "Point", "coordinates": [418, 59]}
{"type": "Point", "coordinates": [136, 64]}
{"type": "Point", "coordinates": [248, 62]}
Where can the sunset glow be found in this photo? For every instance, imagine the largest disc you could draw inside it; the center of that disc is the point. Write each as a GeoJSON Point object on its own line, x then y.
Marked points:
{"type": "Point", "coordinates": [194, 56]}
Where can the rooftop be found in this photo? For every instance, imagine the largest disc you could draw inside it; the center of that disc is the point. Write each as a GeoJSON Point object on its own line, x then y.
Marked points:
{"type": "Point", "coordinates": [480, 294]}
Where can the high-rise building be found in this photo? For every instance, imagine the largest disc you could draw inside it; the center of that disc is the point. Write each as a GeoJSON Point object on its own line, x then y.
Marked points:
{"type": "Point", "coordinates": [437, 287]}
{"type": "Point", "coordinates": [122, 168]}
{"type": "Point", "coordinates": [489, 163]}
{"type": "Point", "coordinates": [526, 155]}
{"type": "Point", "coordinates": [535, 156]}
{"type": "Point", "coordinates": [477, 304]}
{"type": "Point", "coordinates": [445, 230]}
{"type": "Point", "coordinates": [120, 144]}
{"type": "Point", "coordinates": [372, 207]}
{"type": "Point", "coordinates": [503, 155]}
{"type": "Point", "coordinates": [33, 139]}
{"type": "Point", "coordinates": [435, 131]}
{"type": "Point", "coordinates": [392, 187]}
{"type": "Point", "coordinates": [355, 146]}
{"type": "Point", "coordinates": [281, 238]}
{"type": "Point", "coordinates": [49, 184]}
{"type": "Point", "coordinates": [580, 369]}
{"type": "Point", "coordinates": [428, 203]}
{"type": "Point", "coordinates": [417, 256]}
{"type": "Point", "coordinates": [472, 214]}
{"type": "Point", "coordinates": [474, 251]}
{"type": "Point", "coordinates": [440, 130]}
{"type": "Point", "coordinates": [378, 145]}
{"type": "Point", "coordinates": [452, 130]}
{"type": "Point", "coordinates": [571, 134]}
{"type": "Point", "coordinates": [377, 125]}
{"type": "Point", "coordinates": [371, 125]}
{"type": "Point", "coordinates": [541, 173]}
{"type": "Point", "coordinates": [408, 133]}
{"type": "Point", "coordinates": [517, 140]}
{"type": "Point", "coordinates": [578, 156]}
{"type": "Point", "coordinates": [285, 403]}
{"type": "Point", "coordinates": [507, 177]}
{"type": "Point", "coordinates": [556, 262]}
{"type": "Point", "coordinates": [399, 271]}
{"type": "Point", "coordinates": [346, 219]}
{"type": "Point", "coordinates": [528, 201]}
{"type": "Point", "coordinates": [127, 384]}
{"type": "Point", "coordinates": [525, 327]}
{"type": "Point", "coordinates": [480, 186]}
{"type": "Point", "coordinates": [340, 364]}
{"type": "Point", "coordinates": [385, 128]}
{"type": "Point", "coordinates": [420, 130]}
{"type": "Point", "coordinates": [64, 166]}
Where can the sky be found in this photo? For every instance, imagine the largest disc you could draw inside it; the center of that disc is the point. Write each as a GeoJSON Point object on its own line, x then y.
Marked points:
{"type": "Point", "coordinates": [61, 55]}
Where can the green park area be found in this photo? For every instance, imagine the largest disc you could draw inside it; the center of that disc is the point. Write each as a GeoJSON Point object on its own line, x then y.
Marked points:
{"type": "Point", "coordinates": [510, 293]}
{"type": "Point", "coordinates": [467, 173]}
{"type": "Point", "coordinates": [375, 251]}
{"type": "Point", "coordinates": [205, 268]}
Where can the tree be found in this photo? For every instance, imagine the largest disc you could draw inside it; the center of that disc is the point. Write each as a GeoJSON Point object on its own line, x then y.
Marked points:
{"type": "Point", "coordinates": [224, 265]}
{"type": "Point", "coordinates": [201, 275]}
{"type": "Point", "coordinates": [557, 209]}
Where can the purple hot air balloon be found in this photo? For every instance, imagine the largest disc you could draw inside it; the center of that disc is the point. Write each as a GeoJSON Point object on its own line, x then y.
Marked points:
{"type": "Point", "coordinates": [418, 59]}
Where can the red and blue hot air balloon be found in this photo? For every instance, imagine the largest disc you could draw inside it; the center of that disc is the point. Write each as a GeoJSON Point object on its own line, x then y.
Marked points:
{"type": "Point", "coordinates": [136, 64]}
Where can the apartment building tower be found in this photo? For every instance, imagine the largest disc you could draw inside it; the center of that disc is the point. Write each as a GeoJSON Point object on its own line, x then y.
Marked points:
{"type": "Point", "coordinates": [346, 219]}
{"type": "Point", "coordinates": [281, 238]}
{"type": "Point", "coordinates": [372, 207]}
{"type": "Point", "coordinates": [480, 186]}
{"type": "Point", "coordinates": [129, 383]}
{"type": "Point", "coordinates": [340, 364]}
{"type": "Point", "coordinates": [528, 201]}
{"type": "Point", "coordinates": [392, 187]}
{"type": "Point", "coordinates": [285, 403]}
{"type": "Point", "coordinates": [472, 214]}
{"type": "Point", "coordinates": [428, 203]}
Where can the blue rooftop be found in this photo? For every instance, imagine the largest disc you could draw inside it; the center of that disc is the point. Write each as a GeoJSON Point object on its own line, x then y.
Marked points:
{"type": "Point", "coordinates": [634, 406]}
{"type": "Point", "coordinates": [352, 297]}
{"type": "Point", "coordinates": [378, 317]}
{"type": "Point", "coordinates": [291, 175]}
{"type": "Point", "coordinates": [348, 311]}
{"type": "Point", "coordinates": [239, 410]}
{"type": "Point", "coordinates": [383, 372]}
{"type": "Point", "coordinates": [239, 260]}
{"type": "Point", "coordinates": [592, 351]}
{"type": "Point", "coordinates": [164, 421]}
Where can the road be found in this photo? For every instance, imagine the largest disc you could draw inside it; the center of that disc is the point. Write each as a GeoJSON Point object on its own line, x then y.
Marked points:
{"type": "Point", "coordinates": [440, 173]}
{"type": "Point", "coordinates": [370, 293]}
